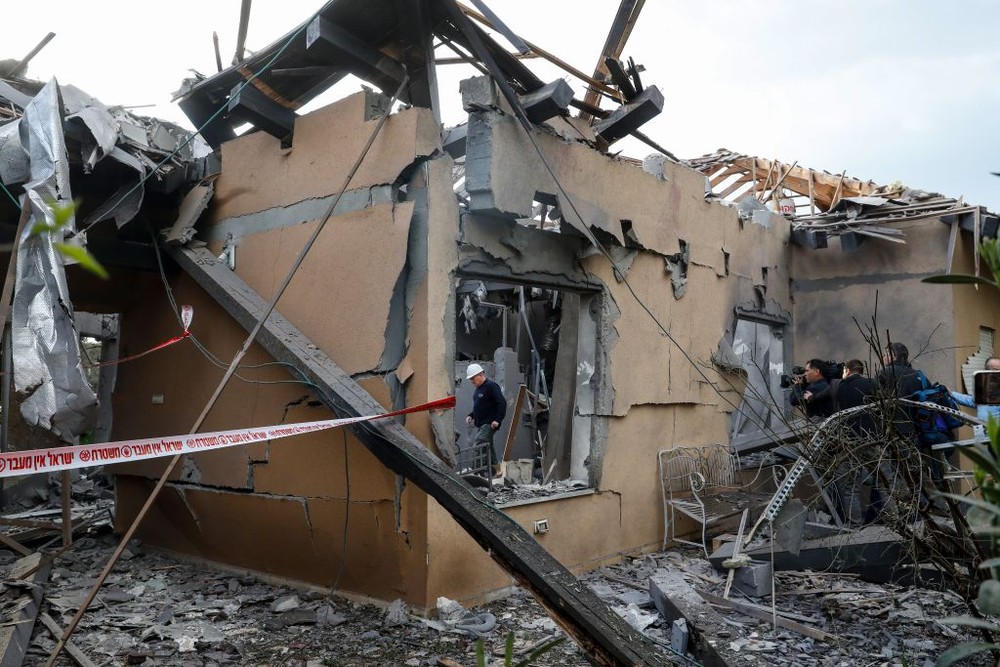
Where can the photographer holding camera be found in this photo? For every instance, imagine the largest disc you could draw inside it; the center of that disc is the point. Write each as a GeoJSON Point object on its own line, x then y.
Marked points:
{"type": "Point", "coordinates": [810, 390]}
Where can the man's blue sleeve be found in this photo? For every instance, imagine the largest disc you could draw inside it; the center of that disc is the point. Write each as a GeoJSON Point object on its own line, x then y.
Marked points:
{"type": "Point", "coordinates": [963, 399]}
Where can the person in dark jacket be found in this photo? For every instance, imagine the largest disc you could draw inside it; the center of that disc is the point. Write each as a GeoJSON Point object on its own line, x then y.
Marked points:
{"type": "Point", "coordinates": [812, 393]}
{"type": "Point", "coordinates": [489, 407]}
{"type": "Point", "coordinates": [854, 391]}
{"type": "Point", "coordinates": [898, 377]}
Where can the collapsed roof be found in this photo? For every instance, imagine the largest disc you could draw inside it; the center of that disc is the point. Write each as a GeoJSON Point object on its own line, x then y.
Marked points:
{"type": "Point", "coordinates": [820, 204]}
{"type": "Point", "coordinates": [390, 44]}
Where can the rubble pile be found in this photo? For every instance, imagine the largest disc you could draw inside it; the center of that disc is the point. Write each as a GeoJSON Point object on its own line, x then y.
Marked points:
{"type": "Point", "coordinates": [156, 610]}
{"type": "Point", "coordinates": [870, 624]}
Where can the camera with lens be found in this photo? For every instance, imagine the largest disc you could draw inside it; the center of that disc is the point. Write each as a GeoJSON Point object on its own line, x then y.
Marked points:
{"type": "Point", "coordinates": [797, 376]}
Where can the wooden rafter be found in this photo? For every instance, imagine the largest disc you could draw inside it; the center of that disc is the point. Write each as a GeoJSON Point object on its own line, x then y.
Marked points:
{"type": "Point", "coordinates": [822, 189]}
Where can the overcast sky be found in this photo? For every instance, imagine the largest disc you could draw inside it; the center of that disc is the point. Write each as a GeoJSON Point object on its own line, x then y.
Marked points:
{"type": "Point", "coordinates": [886, 89]}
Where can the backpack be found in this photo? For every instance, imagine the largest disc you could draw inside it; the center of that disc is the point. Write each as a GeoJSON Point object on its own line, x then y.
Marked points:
{"type": "Point", "coordinates": [933, 426]}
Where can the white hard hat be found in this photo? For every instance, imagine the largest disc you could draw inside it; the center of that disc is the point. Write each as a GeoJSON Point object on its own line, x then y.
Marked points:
{"type": "Point", "coordinates": [472, 371]}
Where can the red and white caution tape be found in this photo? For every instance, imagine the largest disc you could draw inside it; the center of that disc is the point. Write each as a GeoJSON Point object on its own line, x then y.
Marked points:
{"type": "Point", "coordinates": [31, 461]}
{"type": "Point", "coordinates": [187, 314]}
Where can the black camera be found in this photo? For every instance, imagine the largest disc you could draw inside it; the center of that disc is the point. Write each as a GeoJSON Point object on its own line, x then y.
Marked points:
{"type": "Point", "coordinates": [798, 374]}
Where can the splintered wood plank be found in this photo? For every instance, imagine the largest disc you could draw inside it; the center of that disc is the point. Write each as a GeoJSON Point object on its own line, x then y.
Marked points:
{"type": "Point", "coordinates": [19, 619]}
{"type": "Point", "coordinates": [764, 614]}
{"type": "Point", "coordinates": [15, 545]}
{"type": "Point", "coordinates": [74, 651]}
{"type": "Point", "coordinates": [515, 420]}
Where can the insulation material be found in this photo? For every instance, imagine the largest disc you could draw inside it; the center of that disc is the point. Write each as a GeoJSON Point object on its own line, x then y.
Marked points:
{"type": "Point", "coordinates": [13, 161]}
{"type": "Point", "coordinates": [125, 203]}
{"type": "Point", "coordinates": [45, 342]}
{"type": "Point", "coordinates": [101, 133]}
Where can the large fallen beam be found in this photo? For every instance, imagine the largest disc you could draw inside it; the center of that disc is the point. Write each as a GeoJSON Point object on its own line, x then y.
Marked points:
{"type": "Point", "coordinates": [28, 576]}
{"type": "Point", "coordinates": [605, 637]}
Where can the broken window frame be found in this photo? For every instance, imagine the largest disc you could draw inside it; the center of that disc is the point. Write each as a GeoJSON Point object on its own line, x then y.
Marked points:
{"type": "Point", "coordinates": [771, 411]}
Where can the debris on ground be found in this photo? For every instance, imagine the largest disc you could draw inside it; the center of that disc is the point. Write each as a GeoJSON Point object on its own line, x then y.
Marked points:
{"type": "Point", "coordinates": [156, 610]}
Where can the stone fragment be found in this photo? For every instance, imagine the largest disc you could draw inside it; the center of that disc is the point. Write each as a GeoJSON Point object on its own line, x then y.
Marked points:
{"type": "Point", "coordinates": [285, 603]}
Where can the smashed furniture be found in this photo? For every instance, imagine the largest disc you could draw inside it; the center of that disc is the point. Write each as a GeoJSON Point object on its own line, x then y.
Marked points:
{"type": "Point", "coordinates": [703, 484]}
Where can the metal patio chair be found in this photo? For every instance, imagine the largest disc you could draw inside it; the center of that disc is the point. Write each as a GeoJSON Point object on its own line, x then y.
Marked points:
{"type": "Point", "coordinates": [700, 483]}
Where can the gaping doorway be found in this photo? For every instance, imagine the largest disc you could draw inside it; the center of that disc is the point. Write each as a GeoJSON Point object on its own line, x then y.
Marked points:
{"type": "Point", "coordinates": [541, 345]}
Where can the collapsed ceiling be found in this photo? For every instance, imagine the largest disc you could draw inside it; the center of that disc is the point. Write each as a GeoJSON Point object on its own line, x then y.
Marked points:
{"type": "Point", "coordinates": [820, 204]}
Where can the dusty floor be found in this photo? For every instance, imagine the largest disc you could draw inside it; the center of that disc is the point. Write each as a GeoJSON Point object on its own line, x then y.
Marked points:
{"type": "Point", "coordinates": [156, 610]}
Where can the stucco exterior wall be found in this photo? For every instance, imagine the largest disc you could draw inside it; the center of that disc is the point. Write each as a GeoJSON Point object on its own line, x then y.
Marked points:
{"type": "Point", "coordinates": [377, 294]}
{"type": "Point", "coordinates": [831, 289]}
{"type": "Point", "coordinates": [653, 396]}
{"type": "Point", "coordinates": [973, 308]}
{"type": "Point", "coordinates": [283, 508]}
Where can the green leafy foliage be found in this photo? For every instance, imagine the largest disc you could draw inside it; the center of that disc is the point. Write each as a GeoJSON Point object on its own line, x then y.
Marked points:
{"type": "Point", "coordinates": [984, 519]}
{"type": "Point", "coordinates": [983, 514]}
{"type": "Point", "coordinates": [989, 250]}
{"type": "Point", "coordinates": [508, 652]}
{"type": "Point", "coordinates": [962, 651]}
{"type": "Point", "coordinates": [82, 257]}
{"type": "Point", "coordinates": [61, 215]}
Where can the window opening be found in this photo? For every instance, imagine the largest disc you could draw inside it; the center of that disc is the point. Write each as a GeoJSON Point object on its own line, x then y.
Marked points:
{"type": "Point", "coordinates": [760, 349]}
{"type": "Point", "coordinates": [977, 361]}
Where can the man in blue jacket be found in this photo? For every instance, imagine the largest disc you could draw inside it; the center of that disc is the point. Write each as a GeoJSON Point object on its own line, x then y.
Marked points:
{"type": "Point", "coordinates": [984, 412]}
{"type": "Point", "coordinates": [488, 410]}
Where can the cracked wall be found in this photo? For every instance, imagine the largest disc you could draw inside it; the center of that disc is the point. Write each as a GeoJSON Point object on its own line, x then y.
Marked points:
{"type": "Point", "coordinates": [884, 273]}
{"type": "Point", "coordinates": [361, 295]}
{"type": "Point", "coordinates": [938, 323]}
{"type": "Point", "coordinates": [377, 294]}
{"type": "Point", "coordinates": [690, 262]}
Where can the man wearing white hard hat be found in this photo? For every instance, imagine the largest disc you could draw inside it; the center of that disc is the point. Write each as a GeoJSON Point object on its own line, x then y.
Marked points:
{"type": "Point", "coordinates": [488, 410]}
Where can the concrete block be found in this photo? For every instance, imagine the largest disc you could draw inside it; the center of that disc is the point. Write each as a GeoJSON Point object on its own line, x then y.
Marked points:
{"type": "Point", "coordinates": [674, 598]}
{"type": "Point", "coordinates": [479, 92]}
{"type": "Point", "coordinates": [754, 579]}
{"type": "Point", "coordinates": [548, 101]}
{"type": "Point", "coordinates": [623, 120]}
{"type": "Point", "coordinates": [679, 636]}
{"type": "Point", "coordinates": [519, 471]}
{"type": "Point", "coordinates": [849, 241]}
{"type": "Point", "coordinates": [719, 540]}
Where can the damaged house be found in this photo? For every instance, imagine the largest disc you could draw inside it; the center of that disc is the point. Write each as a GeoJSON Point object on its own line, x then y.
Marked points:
{"type": "Point", "coordinates": [563, 270]}
{"type": "Point", "coordinates": [624, 308]}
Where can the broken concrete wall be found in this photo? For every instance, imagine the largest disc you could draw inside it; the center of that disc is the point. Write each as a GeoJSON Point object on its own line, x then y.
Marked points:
{"type": "Point", "coordinates": [648, 394]}
{"type": "Point", "coordinates": [241, 505]}
{"type": "Point", "coordinates": [362, 296]}
{"type": "Point", "coordinates": [378, 295]}
{"type": "Point", "coordinates": [831, 289]}
{"type": "Point", "coordinates": [459, 567]}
